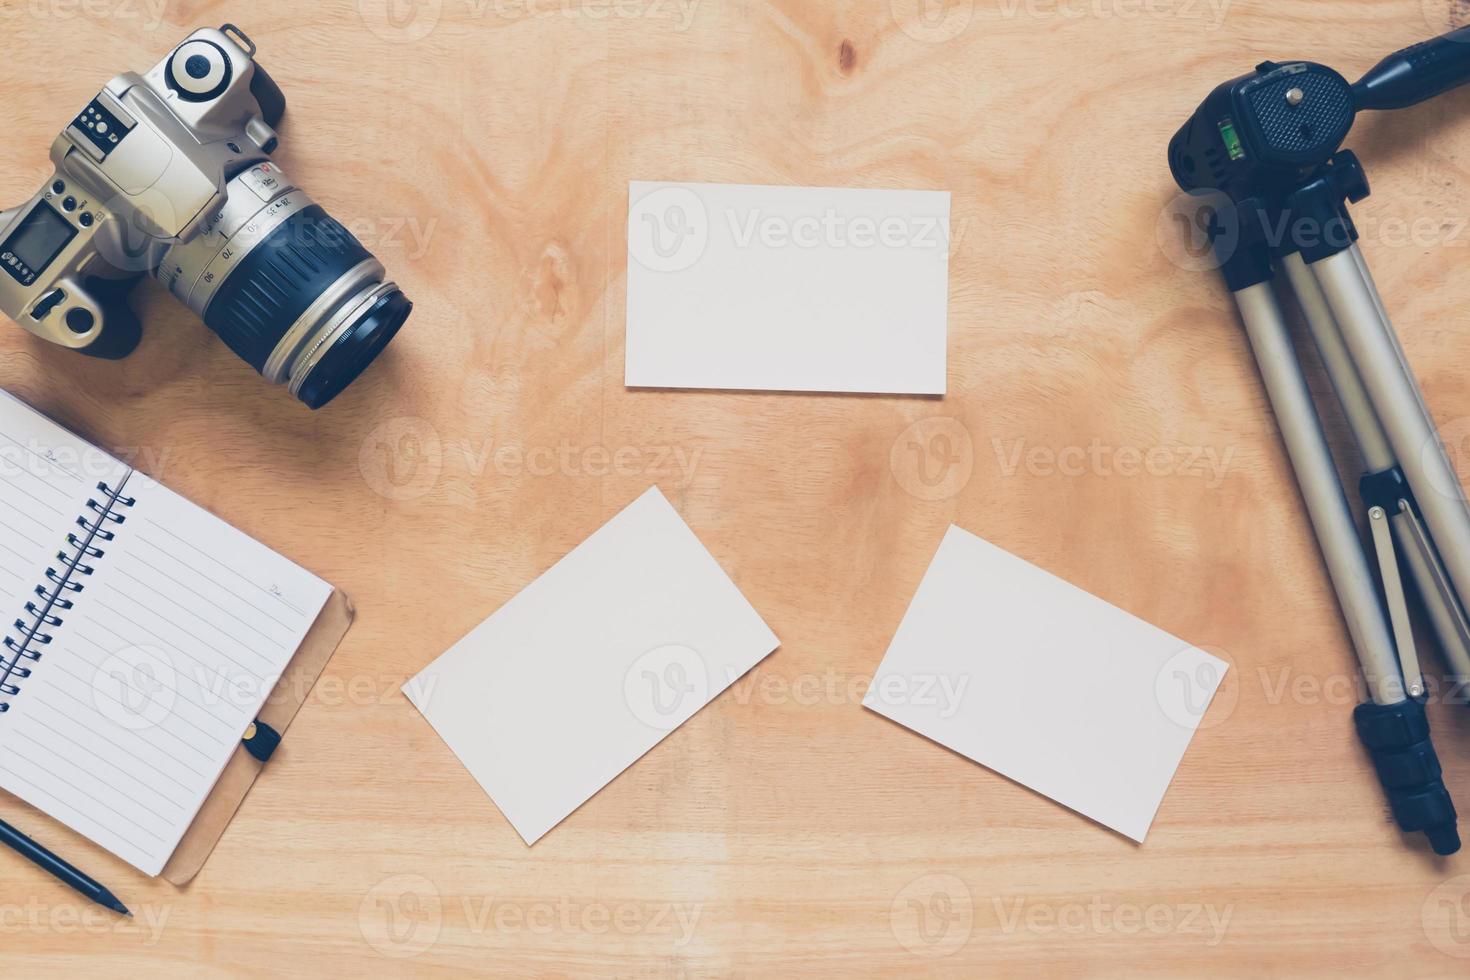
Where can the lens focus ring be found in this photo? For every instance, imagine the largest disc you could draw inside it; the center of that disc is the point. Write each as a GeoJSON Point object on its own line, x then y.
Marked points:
{"type": "Point", "coordinates": [282, 276]}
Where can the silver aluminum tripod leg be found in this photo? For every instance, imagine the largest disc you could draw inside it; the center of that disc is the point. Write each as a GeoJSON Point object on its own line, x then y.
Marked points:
{"type": "Point", "coordinates": [1327, 506]}
{"type": "Point", "coordinates": [1426, 570]}
{"type": "Point", "coordinates": [1397, 402]}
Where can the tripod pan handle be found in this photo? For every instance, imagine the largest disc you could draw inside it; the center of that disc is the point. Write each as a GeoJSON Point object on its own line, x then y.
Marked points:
{"type": "Point", "coordinates": [1417, 73]}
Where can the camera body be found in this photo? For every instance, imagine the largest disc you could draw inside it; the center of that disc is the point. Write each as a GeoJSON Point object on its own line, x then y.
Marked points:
{"type": "Point", "coordinates": [169, 174]}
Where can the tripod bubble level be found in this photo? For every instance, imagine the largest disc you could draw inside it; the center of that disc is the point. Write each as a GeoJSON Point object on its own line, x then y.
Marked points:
{"type": "Point", "coordinates": [1232, 140]}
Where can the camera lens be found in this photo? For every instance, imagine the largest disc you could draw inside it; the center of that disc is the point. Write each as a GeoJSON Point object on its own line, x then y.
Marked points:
{"type": "Point", "coordinates": [287, 288]}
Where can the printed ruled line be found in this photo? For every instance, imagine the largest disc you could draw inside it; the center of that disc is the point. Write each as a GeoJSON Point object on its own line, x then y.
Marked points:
{"type": "Point", "coordinates": [156, 728]}
{"type": "Point", "coordinates": [41, 478]}
{"type": "Point", "coordinates": [195, 548]}
{"type": "Point", "coordinates": [96, 777]}
{"type": "Point", "coordinates": [46, 528]}
{"type": "Point", "coordinates": [221, 586]}
{"type": "Point", "coordinates": [102, 645]}
{"type": "Point", "coordinates": [60, 665]}
{"type": "Point", "coordinates": [209, 713]}
{"type": "Point", "coordinates": [16, 553]}
{"type": "Point", "coordinates": [24, 492]}
{"type": "Point", "coordinates": [153, 633]}
{"type": "Point", "coordinates": [46, 459]}
{"type": "Point", "coordinates": [31, 717]}
{"type": "Point", "coordinates": [107, 831]}
{"type": "Point", "coordinates": [73, 720]}
{"type": "Point", "coordinates": [89, 796]}
{"type": "Point", "coordinates": [215, 605]}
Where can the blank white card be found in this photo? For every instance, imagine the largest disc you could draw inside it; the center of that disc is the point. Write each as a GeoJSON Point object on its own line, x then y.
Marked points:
{"type": "Point", "coordinates": [1044, 683]}
{"type": "Point", "coordinates": [787, 288]}
{"type": "Point", "coordinates": [591, 665]}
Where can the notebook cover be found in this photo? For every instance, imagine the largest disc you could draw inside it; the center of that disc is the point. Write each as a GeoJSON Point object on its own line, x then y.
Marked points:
{"type": "Point", "coordinates": [280, 708]}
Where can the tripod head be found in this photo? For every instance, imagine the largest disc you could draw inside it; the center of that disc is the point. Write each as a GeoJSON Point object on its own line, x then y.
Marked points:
{"type": "Point", "coordinates": [1262, 134]}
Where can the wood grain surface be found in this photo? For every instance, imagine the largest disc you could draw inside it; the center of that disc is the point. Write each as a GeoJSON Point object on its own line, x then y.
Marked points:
{"type": "Point", "coordinates": [1104, 420]}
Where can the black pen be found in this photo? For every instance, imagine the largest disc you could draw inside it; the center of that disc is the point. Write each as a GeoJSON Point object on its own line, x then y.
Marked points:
{"type": "Point", "coordinates": [38, 855]}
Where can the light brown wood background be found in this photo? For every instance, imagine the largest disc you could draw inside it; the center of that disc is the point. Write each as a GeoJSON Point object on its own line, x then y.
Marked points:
{"type": "Point", "coordinates": [1104, 420]}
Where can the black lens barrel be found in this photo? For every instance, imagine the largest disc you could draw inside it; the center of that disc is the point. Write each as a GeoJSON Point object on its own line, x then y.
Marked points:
{"type": "Point", "coordinates": [280, 279]}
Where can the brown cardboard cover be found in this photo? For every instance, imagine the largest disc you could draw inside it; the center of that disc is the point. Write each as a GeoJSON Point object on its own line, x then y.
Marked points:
{"type": "Point", "coordinates": [280, 708]}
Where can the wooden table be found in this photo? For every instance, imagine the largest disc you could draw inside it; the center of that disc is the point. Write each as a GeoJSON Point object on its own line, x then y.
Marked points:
{"type": "Point", "coordinates": [1104, 420]}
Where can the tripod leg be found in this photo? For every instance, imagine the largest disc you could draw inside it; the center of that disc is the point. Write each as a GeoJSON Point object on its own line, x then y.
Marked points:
{"type": "Point", "coordinates": [1327, 506]}
{"type": "Point", "coordinates": [1375, 351]}
{"type": "Point", "coordinates": [1425, 568]}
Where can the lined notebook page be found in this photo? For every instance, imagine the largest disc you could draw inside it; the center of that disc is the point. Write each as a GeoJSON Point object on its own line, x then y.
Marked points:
{"type": "Point", "coordinates": [143, 696]}
{"type": "Point", "coordinates": [47, 475]}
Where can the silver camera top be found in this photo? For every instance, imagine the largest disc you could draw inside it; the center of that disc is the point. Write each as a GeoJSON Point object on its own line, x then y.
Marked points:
{"type": "Point", "coordinates": [167, 174]}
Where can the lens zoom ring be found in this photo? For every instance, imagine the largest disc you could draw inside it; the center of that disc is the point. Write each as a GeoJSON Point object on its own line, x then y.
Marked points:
{"type": "Point", "coordinates": [283, 275]}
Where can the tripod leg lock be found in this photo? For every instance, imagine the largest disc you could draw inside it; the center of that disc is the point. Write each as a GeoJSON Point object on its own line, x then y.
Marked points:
{"type": "Point", "coordinates": [1397, 738]}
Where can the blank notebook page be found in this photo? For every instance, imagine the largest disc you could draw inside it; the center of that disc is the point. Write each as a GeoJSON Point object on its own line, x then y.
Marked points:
{"type": "Point", "coordinates": [151, 678]}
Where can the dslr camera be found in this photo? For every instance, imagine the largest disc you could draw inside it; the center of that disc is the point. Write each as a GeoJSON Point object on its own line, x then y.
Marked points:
{"type": "Point", "coordinates": [169, 175]}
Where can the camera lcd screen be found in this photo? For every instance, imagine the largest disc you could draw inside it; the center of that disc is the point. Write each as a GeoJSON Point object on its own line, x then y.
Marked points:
{"type": "Point", "coordinates": [39, 239]}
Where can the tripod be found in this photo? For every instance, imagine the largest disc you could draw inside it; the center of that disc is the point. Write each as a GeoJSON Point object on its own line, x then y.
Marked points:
{"type": "Point", "coordinates": [1266, 145]}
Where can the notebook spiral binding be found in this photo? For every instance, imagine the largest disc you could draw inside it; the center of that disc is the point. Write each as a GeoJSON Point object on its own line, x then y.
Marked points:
{"type": "Point", "coordinates": [46, 611]}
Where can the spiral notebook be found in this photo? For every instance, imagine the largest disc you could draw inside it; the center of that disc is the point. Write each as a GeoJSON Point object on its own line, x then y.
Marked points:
{"type": "Point", "coordinates": [142, 635]}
